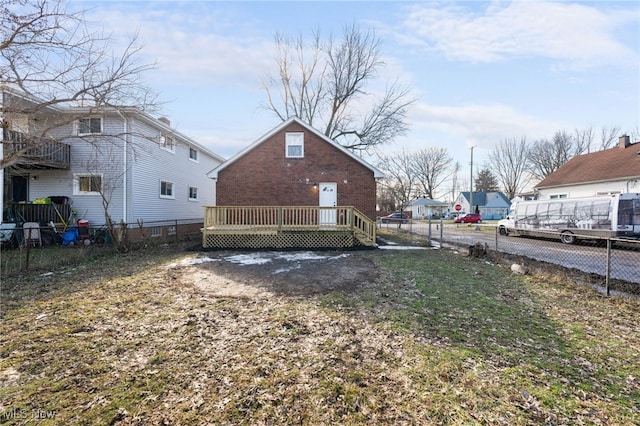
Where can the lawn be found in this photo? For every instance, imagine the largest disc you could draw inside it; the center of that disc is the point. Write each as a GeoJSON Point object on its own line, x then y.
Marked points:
{"type": "Point", "coordinates": [437, 338]}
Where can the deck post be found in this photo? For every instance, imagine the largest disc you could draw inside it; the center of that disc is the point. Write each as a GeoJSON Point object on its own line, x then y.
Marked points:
{"type": "Point", "coordinates": [352, 219]}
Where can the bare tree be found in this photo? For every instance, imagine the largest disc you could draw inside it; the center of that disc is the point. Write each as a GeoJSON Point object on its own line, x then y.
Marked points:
{"type": "Point", "coordinates": [584, 139]}
{"type": "Point", "coordinates": [432, 167]}
{"type": "Point", "coordinates": [326, 84]}
{"type": "Point", "coordinates": [399, 178]}
{"type": "Point", "coordinates": [506, 162]}
{"type": "Point", "coordinates": [609, 136]}
{"type": "Point", "coordinates": [50, 56]}
{"type": "Point", "coordinates": [386, 199]}
{"type": "Point", "coordinates": [635, 135]}
{"type": "Point", "coordinates": [104, 180]}
{"type": "Point", "coordinates": [545, 157]}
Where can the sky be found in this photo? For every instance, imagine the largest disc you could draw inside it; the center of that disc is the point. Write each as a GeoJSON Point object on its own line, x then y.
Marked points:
{"type": "Point", "coordinates": [481, 71]}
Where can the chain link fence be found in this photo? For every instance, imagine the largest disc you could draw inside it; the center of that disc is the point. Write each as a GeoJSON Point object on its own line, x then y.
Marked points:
{"type": "Point", "coordinates": [33, 246]}
{"type": "Point", "coordinates": [608, 263]}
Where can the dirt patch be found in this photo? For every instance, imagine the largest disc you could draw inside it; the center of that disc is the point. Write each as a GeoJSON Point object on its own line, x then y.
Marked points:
{"type": "Point", "coordinates": [259, 274]}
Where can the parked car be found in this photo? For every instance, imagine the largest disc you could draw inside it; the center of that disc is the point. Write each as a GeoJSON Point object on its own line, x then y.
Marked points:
{"type": "Point", "coordinates": [395, 218]}
{"type": "Point", "coordinates": [468, 218]}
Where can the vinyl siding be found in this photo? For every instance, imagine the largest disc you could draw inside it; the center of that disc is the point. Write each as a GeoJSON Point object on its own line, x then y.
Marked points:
{"type": "Point", "coordinates": [85, 159]}
{"type": "Point", "coordinates": [156, 164]}
{"type": "Point", "coordinates": [146, 165]}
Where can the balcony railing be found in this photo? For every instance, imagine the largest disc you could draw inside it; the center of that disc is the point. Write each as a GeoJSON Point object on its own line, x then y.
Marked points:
{"type": "Point", "coordinates": [51, 155]}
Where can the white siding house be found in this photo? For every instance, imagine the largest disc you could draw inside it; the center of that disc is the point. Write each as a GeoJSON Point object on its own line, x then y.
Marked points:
{"type": "Point", "coordinates": [146, 170]}
{"type": "Point", "coordinates": [426, 208]}
{"type": "Point", "coordinates": [611, 171]}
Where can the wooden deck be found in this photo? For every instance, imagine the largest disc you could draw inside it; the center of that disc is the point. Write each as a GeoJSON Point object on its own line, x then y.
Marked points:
{"type": "Point", "coordinates": [286, 227]}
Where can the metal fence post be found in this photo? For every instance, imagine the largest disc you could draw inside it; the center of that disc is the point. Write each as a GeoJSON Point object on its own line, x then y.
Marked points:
{"type": "Point", "coordinates": [441, 231]}
{"type": "Point", "coordinates": [607, 274]}
{"type": "Point", "coordinates": [429, 233]}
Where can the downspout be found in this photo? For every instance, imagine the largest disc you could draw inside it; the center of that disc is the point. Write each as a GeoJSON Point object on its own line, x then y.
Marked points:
{"type": "Point", "coordinates": [124, 161]}
{"type": "Point", "coordinates": [3, 101]}
{"type": "Point", "coordinates": [1, 175]}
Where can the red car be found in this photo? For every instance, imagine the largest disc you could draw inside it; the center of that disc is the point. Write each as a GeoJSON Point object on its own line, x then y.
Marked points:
{"type": "Point", "coordinates": [468, 218]}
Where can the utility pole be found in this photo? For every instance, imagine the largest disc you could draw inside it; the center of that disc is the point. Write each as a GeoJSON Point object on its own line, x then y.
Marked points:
{"type": "Point", "coordinates": [471, 185]}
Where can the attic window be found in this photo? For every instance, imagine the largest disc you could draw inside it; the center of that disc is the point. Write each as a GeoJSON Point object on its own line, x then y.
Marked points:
{"type": "Point", "coordinates": [294, 144]}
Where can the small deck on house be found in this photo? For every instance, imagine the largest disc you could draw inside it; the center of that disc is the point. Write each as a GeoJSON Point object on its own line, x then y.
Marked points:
{"type": "Point", "coordinates": [280, 227]}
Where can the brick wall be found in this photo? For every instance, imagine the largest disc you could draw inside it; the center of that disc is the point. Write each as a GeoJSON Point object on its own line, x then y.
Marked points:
{"type": "Point", "coordinates": [265, 177]}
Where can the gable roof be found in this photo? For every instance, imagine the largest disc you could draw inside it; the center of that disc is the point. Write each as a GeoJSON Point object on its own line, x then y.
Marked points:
{"type": "Point", "coordinates": [143, 116]}
{"type": "Point", "coordinates": [487, 199]}
{"type": "Point", "coordinates": [424, 201]}
{"type": "Point", "coordinates": [214, 173]}
{"type": "Point", "coordinates": [8, 92]}
{"type": "Point", "coordinates": [619, 163]}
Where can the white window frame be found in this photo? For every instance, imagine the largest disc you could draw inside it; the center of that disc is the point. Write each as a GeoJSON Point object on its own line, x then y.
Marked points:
{"type": "Point", "coordinates": [79, 126]}
{"type": "Point", "coordinates": [76, 183]}
{"type": "Point", "coordinates": [171, 196]}
{"type": "Point", "coordinates": [166, 145]}
{"type": "Point", "coordinates": [293, 140]}
{"type": "Point", "coordinates": [197, 197]}
{"type": "Point", "coordinates": [196, 154]}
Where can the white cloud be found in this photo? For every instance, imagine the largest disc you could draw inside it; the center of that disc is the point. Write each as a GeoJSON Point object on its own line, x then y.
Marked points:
{"type": "Point", "coordinates": [578, 34]}
{"type": "Point", "coordinates": [481, 125]}
{"type": "Point", "coordinates": [192, 49]}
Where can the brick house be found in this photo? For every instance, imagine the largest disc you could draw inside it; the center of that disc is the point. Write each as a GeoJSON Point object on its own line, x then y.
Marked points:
{"type": "Point", "coordinates": [296, 165]}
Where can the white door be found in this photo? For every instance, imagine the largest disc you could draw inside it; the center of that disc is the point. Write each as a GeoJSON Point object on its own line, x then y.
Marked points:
{"type": "Point", "coordinates": [328, 197]}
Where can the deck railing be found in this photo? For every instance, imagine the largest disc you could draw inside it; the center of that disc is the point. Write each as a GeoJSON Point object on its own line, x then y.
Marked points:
{"type": "Point", "coordinates": [290, 218]}
{"type": "Point", "coordinates": [59, 214]}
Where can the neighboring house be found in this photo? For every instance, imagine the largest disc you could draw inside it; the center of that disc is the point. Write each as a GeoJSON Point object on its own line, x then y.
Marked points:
{"type": "Point", "coordinates": [610, 171]}
{"type": "Point", "coordinates": [426, 208]}
{"type": "Point", "coordinates": [296, 165]}
{"type": "Point", "coordinates": [147, 171]}
{"type": "Point", "coordinates": [491, 205]}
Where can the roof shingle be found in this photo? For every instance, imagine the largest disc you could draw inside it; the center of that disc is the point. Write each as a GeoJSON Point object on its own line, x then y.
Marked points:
{"type": "Point", "coordinates": [609, 164]}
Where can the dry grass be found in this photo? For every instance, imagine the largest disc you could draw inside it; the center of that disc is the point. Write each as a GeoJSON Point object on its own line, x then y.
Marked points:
{"type": "Point", "coordinates": [437, 338]}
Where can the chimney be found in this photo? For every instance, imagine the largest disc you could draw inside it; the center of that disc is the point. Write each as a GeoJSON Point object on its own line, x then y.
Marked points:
{"type": "Point", "coordinates": [165, 120]}
{"type": "Point", "coordinates": [624, 141]}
